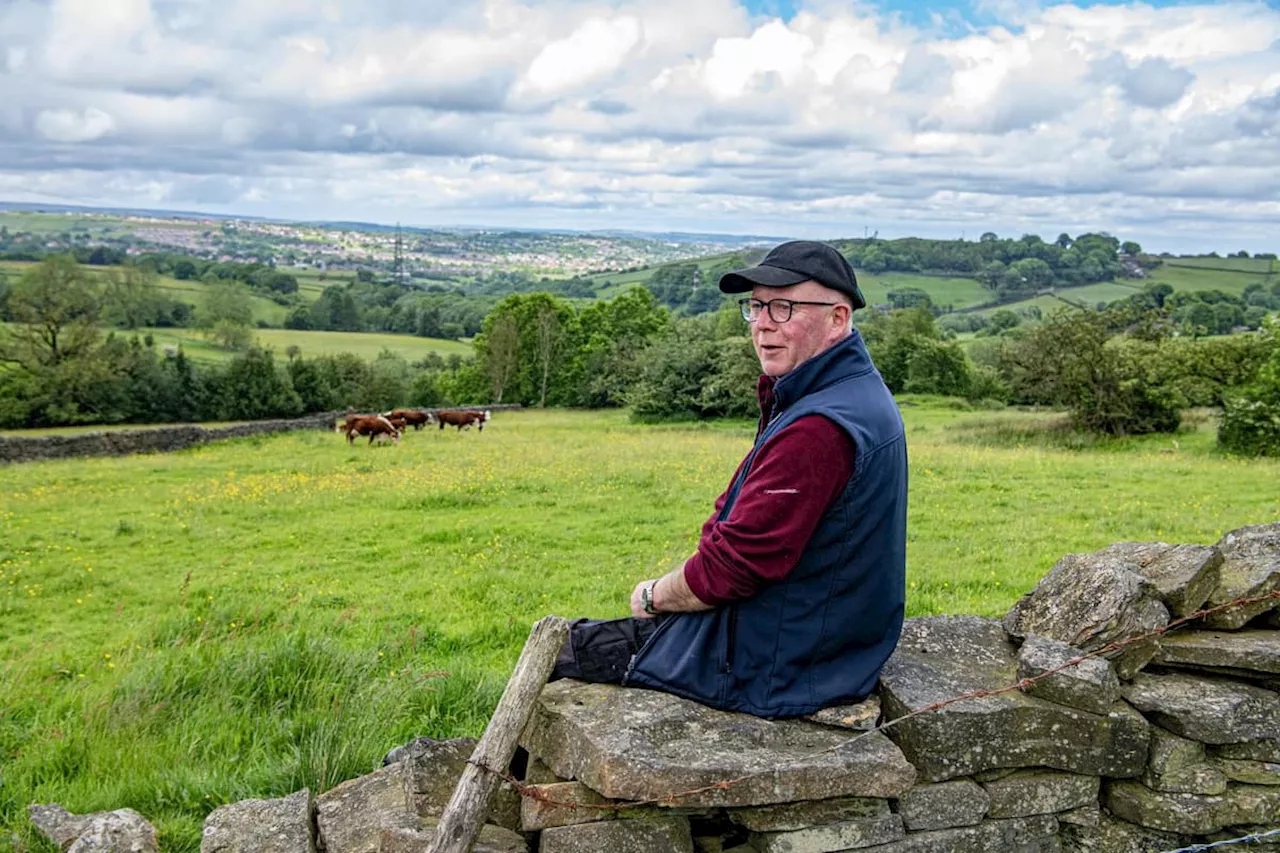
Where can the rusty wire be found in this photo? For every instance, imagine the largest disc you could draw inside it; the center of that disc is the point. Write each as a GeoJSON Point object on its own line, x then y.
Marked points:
{"type": "Point", "coordinates": [1229, 842]}
{"type": "Point", "coordinates": [534, 792]}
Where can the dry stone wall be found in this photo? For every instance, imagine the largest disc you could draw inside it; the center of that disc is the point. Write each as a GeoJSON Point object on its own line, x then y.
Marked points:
{"type": "Point", "coordinates": [1169, 741]}
{"type": "Point", "coordinates": [160, 439]}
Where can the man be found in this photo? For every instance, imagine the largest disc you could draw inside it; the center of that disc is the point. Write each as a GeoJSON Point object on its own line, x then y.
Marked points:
{"type": "Point", "coordinates": [795, 596]}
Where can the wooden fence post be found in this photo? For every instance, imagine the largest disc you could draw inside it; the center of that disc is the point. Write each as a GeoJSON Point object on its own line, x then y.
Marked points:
{"type": "Point", "coordinates": [469, 805]}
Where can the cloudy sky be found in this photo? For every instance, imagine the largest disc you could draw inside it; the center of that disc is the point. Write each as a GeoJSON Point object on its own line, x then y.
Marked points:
{"type": "Point", "coordinates": [1157, 121]}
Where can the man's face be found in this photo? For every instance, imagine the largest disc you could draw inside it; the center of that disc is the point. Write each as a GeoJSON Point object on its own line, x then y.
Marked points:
{"type": "Point", "coordinates": [811, 329]}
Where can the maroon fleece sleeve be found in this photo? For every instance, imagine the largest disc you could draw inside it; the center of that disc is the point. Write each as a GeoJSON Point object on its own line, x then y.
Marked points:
{"type": "Point", "coordinates": [792, 481]}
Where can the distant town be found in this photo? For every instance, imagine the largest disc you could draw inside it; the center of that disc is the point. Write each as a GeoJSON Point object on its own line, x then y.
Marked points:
{"type": "Point", "coordinates": [409, 252]}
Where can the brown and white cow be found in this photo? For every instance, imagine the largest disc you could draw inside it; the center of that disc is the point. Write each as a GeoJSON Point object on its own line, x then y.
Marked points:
{"type": "Point", "coordinates": [374, 426]}
{"type": "Point", "coordinates": [415, 417]}
{"type": "Point", "coordinates": [462, 419]}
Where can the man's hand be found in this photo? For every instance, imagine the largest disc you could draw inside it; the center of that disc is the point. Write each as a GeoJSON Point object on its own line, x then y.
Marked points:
{"type": "Point", "coordinates": [637, 603]}
{"type": "Point", "coordinates": [671, 594]}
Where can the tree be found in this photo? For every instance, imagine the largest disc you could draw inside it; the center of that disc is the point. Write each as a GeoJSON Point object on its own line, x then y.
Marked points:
{"type": "Point", "coordinates": [1130, 249]}
{"type": "Point", "coordinates": [1251, 417]}
{"type": "Point", "coordinates": [226, 315]}
{"type": "Point", "coordinates": [184, 270]}
{"type": "Point", "coordinates": [56, 309]}
{"type": "Point", "coordinates": [1071, 361]}
{"type": "Point", "coordinates": [909, 297]}
{"type": "Point", "coordinates": [130, 298]}
{"type": "Point", "coordinates": [252, 388]}
{"type": "Point", "coordinates": [500, 353]}
{"type": "Point", "coordinates": [550, 341]}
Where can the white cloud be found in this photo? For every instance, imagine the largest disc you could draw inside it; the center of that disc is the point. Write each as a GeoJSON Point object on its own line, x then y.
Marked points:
{"type": "Point", "coordinates": [596, 48]}
{"type": "Point", "coordinates": [651, 112]}
{"type": "Point", "coordinates": [70, 126]}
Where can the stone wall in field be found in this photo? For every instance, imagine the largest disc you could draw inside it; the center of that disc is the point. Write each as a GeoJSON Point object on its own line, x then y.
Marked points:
{"type": "Point", "coordinates": [1172, 739]}
{"type": "Point", "coordinates": [160, 439]}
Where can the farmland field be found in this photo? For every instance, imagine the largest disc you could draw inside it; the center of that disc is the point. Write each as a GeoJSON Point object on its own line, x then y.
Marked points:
{"type": "Point", "coordinates": [956, 292]}
{"type": "Point", "coordinates": [252, 617]}
{"type": "Point", "coordinates": [367, 345]}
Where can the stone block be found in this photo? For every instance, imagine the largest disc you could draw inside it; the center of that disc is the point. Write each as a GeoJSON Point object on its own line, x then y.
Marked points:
{"type": "Point", "coordinates": [1032, 792]}
{"type": "Point", "coordinates": [1089, 816]}
{"type": "Point", "coordinates": [119, 831]}
{"type": "Point", "coordinates": [1112, 835]}
{"type": "Point", "coordinates": [859, 717]}
{"type": "Point", "coordinates": [1090, 685]}
{"type": "Point", "coordinates": [1250, 568]}
{"type": "Point", "coordinates": [1234, 653]}
{"type": "Point", "coordinates": [941, 657]}
{"type": "Point", "coordinates": [832, 837]}
{"type": "Point", "coordinates": [262, 826]}
{"type": "Point", "coordinates": [1191, 814]}
{"type": "Point", "coordinates": [1184, 575]}
{"type": "Point", "coordinates": [943, 805]}
{"type": "Point", "coordinates": [649, 835]}
{"type": "Point", "coordinates": [1248, 772]}
{"type": "Point", "coordinates": [803, 815]}
{"type": "Point", "coordinates": [1019, 835]}
{"type": "Point", "coordinates": [538, 773]}
{"type": "Point", "coordinates": [433, 768]}
{"type": "Point", "coordinates": [1253, 750]}
{"type": "Point", "coordinates": [563, 806]}
{"type": "Point", "coordinates": [1089, 601]}
{"type": "Point", "coordinates": [57, 824]}
{"type": "Point", "coordinates": [644, 745]}
{"type": "Point", "coordinates": [1204, 708]}
{"type": "Point", "coordinates": [492, 839]}
{"type": "Point", "coordinates": [351, 817]}
{"type": "Point", "coordinates": [1179, 766]}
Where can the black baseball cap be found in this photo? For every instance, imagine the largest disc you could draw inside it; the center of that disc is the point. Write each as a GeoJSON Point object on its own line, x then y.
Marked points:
{"type": "Point", "coordinates": [794, 262]}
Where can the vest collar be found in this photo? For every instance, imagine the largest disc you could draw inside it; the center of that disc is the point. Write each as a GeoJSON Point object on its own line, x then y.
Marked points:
{"type": "Point", "coordinates": [847, 358]}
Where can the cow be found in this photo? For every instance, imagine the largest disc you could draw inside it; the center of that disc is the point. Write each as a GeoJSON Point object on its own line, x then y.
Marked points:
{"type": "Point", "coordinates": [462, 419]}
{"type": "Point", "coordinates": [374, 426]}
{"type": "Point", "coordinates": [415, 417]}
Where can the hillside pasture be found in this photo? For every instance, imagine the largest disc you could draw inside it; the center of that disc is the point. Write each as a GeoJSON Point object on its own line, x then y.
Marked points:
{"type": "Point", "coordinates": [1254, 266]}
{"type": "Point", "coordinates": [191, 292]}
{"type": "Point", "coordinates": [956, 292]}
{"type": "Point", "coordinates": [367, 345]}
{"type": "Point", "coordinates": [1182, 274]}
{"type": "Point", "coordinates": [251, 617]}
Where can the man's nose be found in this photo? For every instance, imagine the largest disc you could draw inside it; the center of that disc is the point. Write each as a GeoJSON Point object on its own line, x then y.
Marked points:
{"type": "Point", "coordinates": [765, 319]}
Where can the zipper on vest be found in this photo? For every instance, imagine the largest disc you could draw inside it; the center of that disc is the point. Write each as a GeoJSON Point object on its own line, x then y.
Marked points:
{"type": "Point", "coordinates": [733, 639]}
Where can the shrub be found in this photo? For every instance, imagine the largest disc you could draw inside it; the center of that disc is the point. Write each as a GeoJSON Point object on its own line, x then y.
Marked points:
{"type": "Point", "coordinates": [1251, 419]}
{"type": "Point", "coordinates": [1110, 387]}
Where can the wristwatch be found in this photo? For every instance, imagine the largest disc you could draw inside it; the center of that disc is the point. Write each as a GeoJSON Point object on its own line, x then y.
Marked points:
{"type": "Point", "coordinates": [646, 599]}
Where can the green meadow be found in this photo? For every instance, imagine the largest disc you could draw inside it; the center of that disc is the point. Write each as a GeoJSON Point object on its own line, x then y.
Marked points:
{"type": "Point", "coordinates": [256, 616]}
{"type": "Point", "coordinates": [367, 345]}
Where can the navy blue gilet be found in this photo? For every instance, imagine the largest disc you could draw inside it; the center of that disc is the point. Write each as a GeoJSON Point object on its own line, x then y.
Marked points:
{"type": "Point", "coordinates": [819, 637]}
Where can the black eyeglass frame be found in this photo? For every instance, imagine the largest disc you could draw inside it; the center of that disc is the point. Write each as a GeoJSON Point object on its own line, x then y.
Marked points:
{"type": "Point", "coordinates": [745, 306]}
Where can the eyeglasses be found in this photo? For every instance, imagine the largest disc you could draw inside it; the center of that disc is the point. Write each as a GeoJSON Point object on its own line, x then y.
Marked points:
{"type": "Point", "coordinates": [779, 309]}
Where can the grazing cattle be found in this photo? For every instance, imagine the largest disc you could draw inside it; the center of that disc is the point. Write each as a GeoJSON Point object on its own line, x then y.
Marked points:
{"type": "Point", "coordinates": [462, 419]}
{"type": "Point", "coordinates": [412, 416]}
{"type": "Point", "coordinates": [374, 426]}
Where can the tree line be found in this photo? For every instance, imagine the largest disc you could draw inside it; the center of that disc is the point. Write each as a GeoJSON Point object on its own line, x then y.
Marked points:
{"type": "Point", "coordinates": [1124, 370]}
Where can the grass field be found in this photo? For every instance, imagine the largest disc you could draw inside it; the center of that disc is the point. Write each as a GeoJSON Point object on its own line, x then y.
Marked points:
{"type": "Point", "coordinates": [190, 292]}
{"type": "Point", "coordinates": [1257, 266]}
{"type": "Point", "coordinates": [956, 292]}
{"type": "Point", "coordinates": [367, 345]}
{"type": "Point", "coordinates": [248, 618]}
